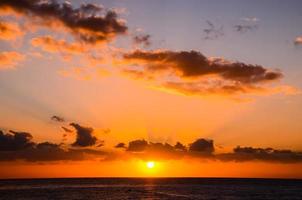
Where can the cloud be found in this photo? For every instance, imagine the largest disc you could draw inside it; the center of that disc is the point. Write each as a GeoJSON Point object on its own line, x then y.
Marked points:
{"type": "Point", "coordinates": [179, 146]}
{"type": "Point", "coordinates": [85, 136]}
{"type": "Point", "coordinates": [241, 154]}
{"type": "Point", "coordinates": [15, 141]}
{"type": "Point", "coordinates": [137, 145]}
{"type": "Point", "coordinates": [212, 32]}
{"type": "Point", "coordinates": [250, 19]}
{"type": "Point", "coordinates": [9, 31]}
{"type": "Point", "coordinates": [193, 64]}
{"type": "Point", "coordinates": [57, 118]}
{"type": "Point", "coordinates": [10, 59]}
{"type": "Point", "coordinates": [298, 40]}
{"type": "Point", "coordinates": [190, 72]}
{"type": "Point", "coordinates": [52, 45]}
{"type": "Point", "coordinates": [202, 146]}
{"type": "Point", "coordinates": [19, 146]}
{"type": "Point", "coordinates": [143, 145]}
{"type": "Point", "coordinates": [89, 23]}
{"type": "Point", "coordinates": [120, 145]}
{"type": "Point", "coordinates": [67, 130]}
{"type": "Point", "coordinates": [143, 39]}
{"type": "Point", "coordinates": [245, 28]}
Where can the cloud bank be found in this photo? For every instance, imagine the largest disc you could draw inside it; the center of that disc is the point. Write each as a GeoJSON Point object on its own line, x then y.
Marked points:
{"type": "Point", "coordinates": [16, 145]}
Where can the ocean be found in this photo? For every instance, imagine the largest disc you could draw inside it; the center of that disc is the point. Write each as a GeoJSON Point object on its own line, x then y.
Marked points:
{"type": "Point", "coordinates": [150, 188]}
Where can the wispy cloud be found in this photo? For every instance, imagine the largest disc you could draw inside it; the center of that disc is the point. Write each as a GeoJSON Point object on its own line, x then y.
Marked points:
{"type": "Point", "coordinates": [213, 32]}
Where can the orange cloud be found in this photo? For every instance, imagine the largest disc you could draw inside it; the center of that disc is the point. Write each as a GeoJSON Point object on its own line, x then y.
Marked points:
{"type": "Point", "coordinates": [10, 59]}
{"type": "Point", "coordinates": [298, 40]}
{"type": "Point", "coordinates": [9, 31]}
{"type": "Point", "coordinates": [52, 45]}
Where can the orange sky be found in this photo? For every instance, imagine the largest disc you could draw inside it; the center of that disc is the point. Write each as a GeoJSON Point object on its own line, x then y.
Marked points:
{"type": "Point", "coordinates": [73, 87]}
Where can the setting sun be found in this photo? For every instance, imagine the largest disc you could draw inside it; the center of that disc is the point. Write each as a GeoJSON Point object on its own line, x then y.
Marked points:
{"type": "Point", "coordinates": [150, 164]}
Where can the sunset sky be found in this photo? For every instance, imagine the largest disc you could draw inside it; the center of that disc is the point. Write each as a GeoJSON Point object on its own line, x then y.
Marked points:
{"type": "Point", "coordinates": [199, 87]}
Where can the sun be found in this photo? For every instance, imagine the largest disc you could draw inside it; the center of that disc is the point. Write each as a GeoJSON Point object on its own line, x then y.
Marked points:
{"type": "Point", "coordinates": [150, 164]}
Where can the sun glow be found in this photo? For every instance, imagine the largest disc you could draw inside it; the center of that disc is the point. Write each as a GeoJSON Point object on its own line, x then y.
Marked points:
{"type": "Point", "coordinates": [150, 164]}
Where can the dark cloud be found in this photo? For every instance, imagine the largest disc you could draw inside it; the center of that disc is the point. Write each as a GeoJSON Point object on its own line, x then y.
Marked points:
{"type": "Point", "coordinates": [84, 137]}
{"type": "Point", "coordinates": [241, 154]}
{"type": "Point", "coordinates": [15, 141]}
{"type": "Point", "coordinates": [90, 22]}
{"type": "Point", "coordinates": [212, 32]}
{"type": "Point", "coordinates": [120, 145]}
{"type": "Point", "coordinates": [245, 28]}
{"type": "Point", "coordinates": [142, 39]}
{"type": "Point", "coordinates": [67, 130]}
{"type": "Point", "coordinates": [179, 146]}
{"type": "Point", "coordinates": [57, 118]}
{"type": "Point", "coordinates": [192, 64]}
{"type": "Point", "coordinates": [202, 146]}
{"type": "Point", "coordinates": [19, 146]}
{"type": "Point", "coordinates": [143, 145]}
{"type": "Point", "coordinates": [192, 73]}
{"type": "Point", "coordinates": [137, 145]}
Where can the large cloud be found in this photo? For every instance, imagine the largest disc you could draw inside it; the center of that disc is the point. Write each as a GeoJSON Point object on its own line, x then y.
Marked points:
{"type": "Point", "coordinates": [190, 72]}
{"type": "Point", "coordinates": [19, 146]}
{"type": "Point", "coordinates": [193, 64]}
{"type": "Point", "coordinates": [89, 23]}
{"type": "Point", "coordinates": [84, 137]}
{"type": "Point", "coordinates": [15, 141]}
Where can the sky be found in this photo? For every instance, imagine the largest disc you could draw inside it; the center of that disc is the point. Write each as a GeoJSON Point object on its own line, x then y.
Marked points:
{"type": "Point", "coordinates": [202, 88]}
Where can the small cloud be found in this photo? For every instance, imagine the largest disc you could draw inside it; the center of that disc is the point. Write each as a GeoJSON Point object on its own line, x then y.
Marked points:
{"type": "Point", "coordinates": [137, 145]}
{"type": "Point", "coordinates": [245, 28]}
{"type": "Point", "coordinates": [52, 45]}
{"type": "Point", "coordinates": [57, 118]}
{"type": "Point", "coordinates": [179, 146]}
{"type": "Point", "coordinates": [10, 59]}
{"type": "Point", "coordinates": [121, 145]}
{"type": "Point", "coordinates": [84, 137]}
{"type": "Point", "coordinates": [202, 146]}
{"type": "Point", "coordinates": [250, 19]}
{"type": "Point", "coordinates": [67, 130]}
{"type": "Point", "coordinates": [213, 32]}
{"type": "Point", "coordinates": [143, 39]}
{"type": "Point", "coordinates": [298, 41]}
{"type": "Point", "coordinates": [10, 31]}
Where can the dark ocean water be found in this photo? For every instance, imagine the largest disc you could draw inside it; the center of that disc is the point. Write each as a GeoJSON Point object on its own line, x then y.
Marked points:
{"type": "Point", "coordinates": [148, 188]}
